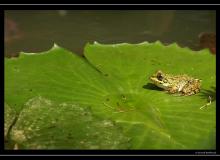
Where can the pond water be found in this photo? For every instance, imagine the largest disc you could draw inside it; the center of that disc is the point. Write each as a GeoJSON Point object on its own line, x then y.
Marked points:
{"type": "Point", "coordinates": [38, 30]}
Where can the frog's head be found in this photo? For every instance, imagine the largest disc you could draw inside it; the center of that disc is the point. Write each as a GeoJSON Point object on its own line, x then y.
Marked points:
{"type": "Point", "coordinates": [160, 79]}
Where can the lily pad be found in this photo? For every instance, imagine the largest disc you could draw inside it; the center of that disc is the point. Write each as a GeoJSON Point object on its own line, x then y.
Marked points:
{"type": "Point", "coordinates": [112, 81]}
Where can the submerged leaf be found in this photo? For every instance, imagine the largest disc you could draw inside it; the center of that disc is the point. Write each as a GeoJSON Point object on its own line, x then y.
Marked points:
{"type": "Point", "coordinates": [43, 124]}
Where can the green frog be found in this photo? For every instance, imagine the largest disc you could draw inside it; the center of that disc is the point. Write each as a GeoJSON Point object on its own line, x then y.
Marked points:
{"type": "Point", "coordinates": [181, 84]}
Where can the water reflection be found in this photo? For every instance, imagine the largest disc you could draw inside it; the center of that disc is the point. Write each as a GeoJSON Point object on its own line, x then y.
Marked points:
{"type": "Point", "coordinates": [208, 40]}
{"type": "Point", "coordinates": [73, 29]}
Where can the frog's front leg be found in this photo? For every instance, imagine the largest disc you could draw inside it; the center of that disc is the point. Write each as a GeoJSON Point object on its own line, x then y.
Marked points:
{"type": "Point", "coordinates": [172, 89]}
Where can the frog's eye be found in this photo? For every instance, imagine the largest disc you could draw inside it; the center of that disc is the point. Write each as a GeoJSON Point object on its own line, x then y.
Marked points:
{"type": "Point", "coordinates": [160, 77]}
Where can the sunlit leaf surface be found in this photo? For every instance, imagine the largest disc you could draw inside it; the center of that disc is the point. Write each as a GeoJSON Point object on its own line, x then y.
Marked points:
{"type": "Point", "coordinates": [106, 101]}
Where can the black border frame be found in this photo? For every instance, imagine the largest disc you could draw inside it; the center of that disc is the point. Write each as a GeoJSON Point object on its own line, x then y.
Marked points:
{"type": "Point", "coordinates": [110, 152]}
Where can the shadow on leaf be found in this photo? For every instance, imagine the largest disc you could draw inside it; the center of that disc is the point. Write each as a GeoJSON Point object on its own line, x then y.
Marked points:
{"type": "Point", "coordinates": [152, 87]}
{"type": "Point", "coordinates": [205, 93]}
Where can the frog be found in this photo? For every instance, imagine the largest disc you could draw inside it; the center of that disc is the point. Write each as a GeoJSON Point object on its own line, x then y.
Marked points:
{"type": "Point", "coordinates": [183, 85]}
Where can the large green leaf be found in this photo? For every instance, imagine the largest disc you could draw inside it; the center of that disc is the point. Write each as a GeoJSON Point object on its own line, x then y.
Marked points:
{"type": "Point", "coordinates": [111, 85]}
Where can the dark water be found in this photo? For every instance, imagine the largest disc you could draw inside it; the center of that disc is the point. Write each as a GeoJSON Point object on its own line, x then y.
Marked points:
{"type": "Point", "coordinates": [34, 31]}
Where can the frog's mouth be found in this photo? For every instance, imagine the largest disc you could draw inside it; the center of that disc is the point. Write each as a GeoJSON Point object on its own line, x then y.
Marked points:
{"type": "Point", "coordinates": [159, 83]}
